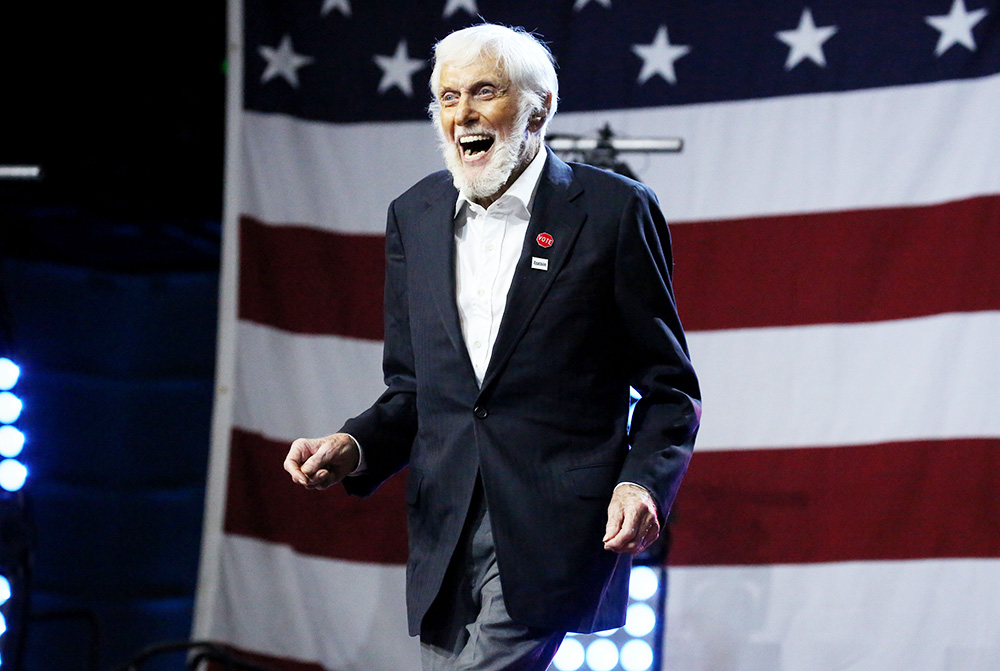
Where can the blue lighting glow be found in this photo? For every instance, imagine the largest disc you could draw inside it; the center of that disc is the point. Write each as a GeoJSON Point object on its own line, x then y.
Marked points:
{"type": "Point", "coordinates": [4, 589]}
{"type": "Point", "coordinates": [10, 407]}
{"type": "Point", "coordinates": [639, 620]}
{"type": "Point", "coordinates": [12, 474]}
{"type": "Point", "coordinates": [643, 583]}
{"type": "Point", "coordinates": [11, 441]}
{"type": "Point", "coordinates": [602, 655]}
{"type": "Point", "coordinates": [570, 655]}
{"type": "Point", "coordinates": [636, 656]}
{"type": "Point", "coordinates": [9, 372]}
{"type": "Point", "coordinates": [3, 624]}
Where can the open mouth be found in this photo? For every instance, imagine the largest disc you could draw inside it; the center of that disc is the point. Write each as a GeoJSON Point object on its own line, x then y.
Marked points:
{"type": "Point", "coordinates": [474, 146]}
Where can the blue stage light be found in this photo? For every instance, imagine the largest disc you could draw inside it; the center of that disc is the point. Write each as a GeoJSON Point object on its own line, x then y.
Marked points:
{"type": "Point", "coordinates": [11, 441]}
{"type": "Point", "coordinates": [4, 589]}
{"type": "Point", "coordinates": [602, 655]}
{"type": "Point", "coordinates": [636, 656]}
{"type": "Point", "coordinates": [570, 655]}
{"type": "Point", "coordinates": [3, 624]}
{"type": "Point", "coordinates": [10, 407]}
{"type": "Point", "coordinates": [643, 583]}
{"type": "Point", "coordinates": [639, 620]}
{"type": "Point", "coordinates": [9, 373]}
{"type": "Point", "coordinates": [12, 474]}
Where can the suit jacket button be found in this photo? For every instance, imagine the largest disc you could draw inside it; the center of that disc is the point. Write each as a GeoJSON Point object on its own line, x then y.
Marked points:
{"type": "Point", "coordinates": [480, 412]}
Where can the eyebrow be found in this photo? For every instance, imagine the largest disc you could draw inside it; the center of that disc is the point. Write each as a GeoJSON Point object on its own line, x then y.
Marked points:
{"type": "Point", "coordinates": [482, 82]}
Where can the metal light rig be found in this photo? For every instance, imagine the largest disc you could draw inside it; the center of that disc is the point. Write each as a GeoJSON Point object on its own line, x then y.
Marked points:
{"type": "Point", "coordinates": [602, 151]}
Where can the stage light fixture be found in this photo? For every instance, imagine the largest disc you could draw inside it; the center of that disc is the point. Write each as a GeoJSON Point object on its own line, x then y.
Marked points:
{"type": "Point", "coordinates": [12, 474]}
{"type": "Point", "coordinates": [10, 407]}
{"type": "Point", "coordinates": [11, 441]}
{"type": "Point", "coordinates": [602, 655]}
{"type": "Point", "coordinates": [570, 655]}
{"type": "Point", "coordinates": [636, 655]}
{"type": "Point", "coordinates": [9, 372]}
{"type": "Point", "coordinates": [640, 619]}
{"type": "Point", "coordinates": [632, 647]}
{"type": "Point", "coordinates": [643, 583]}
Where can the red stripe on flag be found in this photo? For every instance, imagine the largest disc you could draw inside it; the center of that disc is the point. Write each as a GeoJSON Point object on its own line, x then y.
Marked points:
{"type": "Point", "coordinates": [263, 502]}
{"type": "Point", "coordinates": [836, 267]}
{"type": "Point", "coordinates": [306, 280]}
{"type": "Point", "coordinates": [919, 500]}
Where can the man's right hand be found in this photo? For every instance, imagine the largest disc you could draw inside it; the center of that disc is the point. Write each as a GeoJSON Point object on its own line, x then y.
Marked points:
{"type": "Point", "coordinates": [318, 463]}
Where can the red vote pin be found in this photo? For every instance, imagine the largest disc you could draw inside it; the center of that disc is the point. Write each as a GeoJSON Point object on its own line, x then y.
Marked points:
{"type": "Point", "coordinates": [544, 240]}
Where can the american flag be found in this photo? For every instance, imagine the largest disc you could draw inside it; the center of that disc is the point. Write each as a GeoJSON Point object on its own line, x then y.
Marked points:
{"type": "Point", "coordinates": [836, 227]}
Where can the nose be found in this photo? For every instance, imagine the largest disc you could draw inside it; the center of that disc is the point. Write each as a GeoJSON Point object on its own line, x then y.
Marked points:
{"type": "Point", "coordinates": [465, 112]}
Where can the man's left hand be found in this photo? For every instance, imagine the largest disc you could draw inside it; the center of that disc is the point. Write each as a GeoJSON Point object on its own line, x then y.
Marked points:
{"type": "Point", "coordinates": [632, 522]}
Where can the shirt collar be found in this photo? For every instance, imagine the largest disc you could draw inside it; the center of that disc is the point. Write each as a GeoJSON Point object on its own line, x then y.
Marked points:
{"type": "Point", "coordinates": [522, 190]}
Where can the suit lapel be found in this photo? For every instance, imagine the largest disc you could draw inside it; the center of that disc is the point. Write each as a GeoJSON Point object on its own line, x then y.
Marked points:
{"type": "Point", "coordinates": [554, 213]}
{"type": "Point", "coordinates": [437, 229]}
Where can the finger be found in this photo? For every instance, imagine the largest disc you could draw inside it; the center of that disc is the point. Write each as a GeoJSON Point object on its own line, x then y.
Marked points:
{"type": "Point", "coordinates": [293, 470]}
{"type": "Point", "coordinates": [316, 461]}
{"type": "Point", "coordinates": [323, 479]}
{"type": "Point", "coordinates": [298, 452]}
{"type": "Point", "coordinates": [638, 531]}
{"type": "Point", "coordinates": [614, 524]}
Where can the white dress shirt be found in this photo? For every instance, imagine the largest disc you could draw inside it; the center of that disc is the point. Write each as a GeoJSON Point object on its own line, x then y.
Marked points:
{"type": "Point", "coordinates": [488, 246]}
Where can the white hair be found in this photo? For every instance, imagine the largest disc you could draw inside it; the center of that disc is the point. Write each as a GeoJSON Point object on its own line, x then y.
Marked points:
{"type": "Point", "coordinates": [521, 56]}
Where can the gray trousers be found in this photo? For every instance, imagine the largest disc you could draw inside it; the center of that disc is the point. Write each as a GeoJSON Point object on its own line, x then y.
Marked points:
{"type": "Point", "coordinates": [467, 627]}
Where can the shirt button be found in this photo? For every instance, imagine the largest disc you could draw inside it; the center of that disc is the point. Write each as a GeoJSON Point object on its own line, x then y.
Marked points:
{"type": "Point", "coordinates": [480, 412]}
{"type": "Point", "coordinates": [477, 344]}
{"type": "Point", "coordinates": [490, 247]}
{"type": "Point", "coordinates": [481, 292]}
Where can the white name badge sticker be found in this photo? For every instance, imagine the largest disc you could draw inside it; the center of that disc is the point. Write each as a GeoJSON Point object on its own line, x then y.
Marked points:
{"type": "Point", "coordinates": [539, 264]}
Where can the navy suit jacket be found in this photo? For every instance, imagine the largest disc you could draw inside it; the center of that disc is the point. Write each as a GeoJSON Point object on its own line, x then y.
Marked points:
{"type": "Point", "coordinates": [548, 430]}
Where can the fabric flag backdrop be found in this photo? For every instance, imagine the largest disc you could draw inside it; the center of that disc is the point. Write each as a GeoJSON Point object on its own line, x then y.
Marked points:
{"type": "Point", "coordinates": [836, 224]}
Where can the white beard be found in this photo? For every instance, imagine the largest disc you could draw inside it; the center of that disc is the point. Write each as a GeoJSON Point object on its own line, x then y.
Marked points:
{"type": "Point", "coordinates": [482, 183]}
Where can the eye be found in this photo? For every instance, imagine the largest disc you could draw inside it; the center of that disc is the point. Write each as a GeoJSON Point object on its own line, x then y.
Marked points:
{"type": "Point", "coordinates": [449, 98]}
{"type": "Point", "coordinates": [486, 92]}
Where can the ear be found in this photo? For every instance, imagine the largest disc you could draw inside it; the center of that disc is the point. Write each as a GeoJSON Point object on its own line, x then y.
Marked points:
{"type": "Point", "coordinates": [537, 118]}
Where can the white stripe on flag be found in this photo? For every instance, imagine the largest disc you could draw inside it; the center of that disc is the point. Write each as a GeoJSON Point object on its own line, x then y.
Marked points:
{"type": "Point", "coordinates": [900, 146]}
{"type": "Point", "coordinates": [779, 387]}
{"type": "Point", "coordinates": [335, 177]}
{"type": "Point", "coordinates": [933, 615]}
{"type": "Point", "coordinates": [850, 384]}
{"type": "Point", "coordinates": [290, 386]}
{"type": "Point", "coordinates": [348, 616]}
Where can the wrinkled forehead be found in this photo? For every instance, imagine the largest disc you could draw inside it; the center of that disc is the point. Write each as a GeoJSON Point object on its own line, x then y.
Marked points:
{"type": "Point", "coordinates": [456, 73]}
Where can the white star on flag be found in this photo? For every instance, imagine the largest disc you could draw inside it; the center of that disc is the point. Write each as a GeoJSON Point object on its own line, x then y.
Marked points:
{"type": "Point", "coordinates": [398, 70]}
{"type": "Point", "coordinates": [329, 5]}
{"type": "Point", "coordinates": [453, 6]}
{"type": "Point", "coordinates": [956, 27]}
{"type": "Point", "coordinates": [659, 56]}
{"type": "Point", "coordinates": [580, 4]}
{"type": "Point", "coordinates": [806, 41]}
{"type": "Point", "coordinates": [283, 61]}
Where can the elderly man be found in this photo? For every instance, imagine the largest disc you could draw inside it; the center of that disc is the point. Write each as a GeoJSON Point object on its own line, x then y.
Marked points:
{"type": "Point", "coordinates": [523, 298]}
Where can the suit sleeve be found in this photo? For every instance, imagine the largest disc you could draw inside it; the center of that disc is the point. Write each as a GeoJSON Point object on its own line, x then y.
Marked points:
{"type": "Point", "coordinates": [665, 420]}
{"type": "Point", "coordinates": [387, 429]}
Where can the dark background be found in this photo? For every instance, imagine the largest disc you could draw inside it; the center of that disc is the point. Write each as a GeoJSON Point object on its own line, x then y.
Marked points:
{"type": "Point", "coordinates": [108, 298]}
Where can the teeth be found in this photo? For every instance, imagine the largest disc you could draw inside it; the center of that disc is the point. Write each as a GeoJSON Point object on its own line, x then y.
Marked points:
{"type": "Point", "coordinates": [465, 139]}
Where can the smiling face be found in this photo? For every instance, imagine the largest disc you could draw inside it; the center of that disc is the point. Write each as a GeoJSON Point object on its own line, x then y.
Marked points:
{"type": "Point", "coordinates": [484, 132]}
